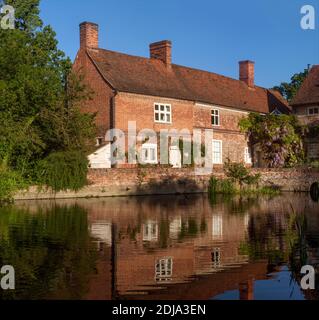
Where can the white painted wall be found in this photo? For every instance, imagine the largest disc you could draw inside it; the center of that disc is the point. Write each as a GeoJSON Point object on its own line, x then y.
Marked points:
{"type": "Point", "coordinates": [101, 158]}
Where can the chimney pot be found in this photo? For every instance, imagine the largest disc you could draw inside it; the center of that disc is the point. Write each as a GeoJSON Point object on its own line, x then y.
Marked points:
{"type": "Point", "coordinates": [162, 51]}
{"type": "Point", "coordinates": [89, 35]}
{"type": "Point", "coordinates": [247, 72]}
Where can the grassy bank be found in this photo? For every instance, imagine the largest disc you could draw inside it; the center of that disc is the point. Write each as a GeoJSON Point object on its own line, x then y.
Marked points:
{"type": "Point", "coordinates": [229, 187]}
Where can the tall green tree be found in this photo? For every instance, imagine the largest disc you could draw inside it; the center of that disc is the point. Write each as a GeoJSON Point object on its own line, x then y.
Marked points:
{"type": "Point", "coordinates": [40, 96]}
{"type": "Point", "coordinates": [289, 90]}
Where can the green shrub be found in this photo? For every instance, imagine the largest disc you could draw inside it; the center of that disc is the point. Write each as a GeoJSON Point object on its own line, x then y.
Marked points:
{"type": "Point", "coordinates": [240, 175]}
{"type": "Point", "coordinates": [10, 182]}
{"type": "Point", "coordinates": [64, 171]}
{"type": "Point", "coordinates": [222, 186]}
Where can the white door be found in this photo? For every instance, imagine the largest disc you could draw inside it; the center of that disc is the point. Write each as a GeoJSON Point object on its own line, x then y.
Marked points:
{"type": "Point", "coordinates": [175, 157]}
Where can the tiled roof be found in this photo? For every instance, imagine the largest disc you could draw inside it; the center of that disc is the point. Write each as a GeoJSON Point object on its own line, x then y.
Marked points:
{"type": "Point", "coordinates": [151, 77]}
{"type": "Point", "coordinates": [309, 91]}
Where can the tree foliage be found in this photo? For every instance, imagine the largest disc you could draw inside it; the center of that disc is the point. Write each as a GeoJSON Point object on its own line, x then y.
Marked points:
{"type": "Point", "coordinates": [279, 136]}
{"type": "Point", "coordinates": [39, 95]}
{"type": "Point", "coordinates": [289, 90]}
{"type": "Point", "coordinates": [63, 170]}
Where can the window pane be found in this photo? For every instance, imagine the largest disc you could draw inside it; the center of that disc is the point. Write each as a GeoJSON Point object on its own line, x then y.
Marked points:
{"type": "Point", "coordinates": [162, 116]}
{"type": "Point", "coordinates": [168, 108]}
{"type": "Point", "coordinates": [156, 116]}
{"type": "Point", "coordinates": [168, 118]}
{"type": "Point", "coordinates": [215, 117]}
{"type": "Point", "coordinates": [311, 111]}
{"type": "Point", "coordinates": [316, 110]}
{"type": "Point", "coordinates": [162, 108]}
{"type": "Point", "coordinates": [216, 146]}
{"type": "Point", "coordinates": [156, 107]}
{"type": "Point", "coordinates": [217, 152]}
{"type": "Point", "coordinates": [153, 158]}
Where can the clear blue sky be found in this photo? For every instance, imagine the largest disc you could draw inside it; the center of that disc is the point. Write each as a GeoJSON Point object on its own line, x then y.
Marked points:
{"type": "Point", "coordinates": [206, 34]}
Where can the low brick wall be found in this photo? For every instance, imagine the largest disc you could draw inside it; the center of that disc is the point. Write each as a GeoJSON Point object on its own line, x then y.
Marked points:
{"type": "Point", "coordinates": [160, 180]}
{"type": "Point", "coordinates": [294, 180]}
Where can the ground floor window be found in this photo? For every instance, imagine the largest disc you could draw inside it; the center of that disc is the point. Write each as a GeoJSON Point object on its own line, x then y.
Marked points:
{"type": "Point", "coordinates": [149, 153]}
{"type": "Point", "coordinates": [247, 156]}
{"type": "Point", "coordinates": [217, 152]}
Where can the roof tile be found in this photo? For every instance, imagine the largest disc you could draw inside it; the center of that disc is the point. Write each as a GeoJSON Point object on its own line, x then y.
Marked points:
{"type": "Point", "coordinates": [151, 77]}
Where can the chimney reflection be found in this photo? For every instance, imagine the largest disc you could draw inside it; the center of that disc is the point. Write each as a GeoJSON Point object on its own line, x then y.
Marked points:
{"type": "Point", "coordinates": [246, 290]}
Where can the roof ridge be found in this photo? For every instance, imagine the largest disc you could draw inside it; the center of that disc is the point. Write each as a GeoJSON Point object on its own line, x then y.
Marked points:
{"type": "Point", "coordinates": [118, 52]}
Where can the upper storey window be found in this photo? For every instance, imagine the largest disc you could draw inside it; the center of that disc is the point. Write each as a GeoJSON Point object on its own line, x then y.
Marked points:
{"type": "Point", "coordinates": [162, 113]}
{"type": "Point", "coordinates": [313, 111]}
{"type": "Point", "coordinates": [215, 117]}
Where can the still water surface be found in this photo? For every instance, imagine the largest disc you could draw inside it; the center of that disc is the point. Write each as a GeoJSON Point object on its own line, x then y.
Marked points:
{"type": "Point", "coordinates": [161, 247]}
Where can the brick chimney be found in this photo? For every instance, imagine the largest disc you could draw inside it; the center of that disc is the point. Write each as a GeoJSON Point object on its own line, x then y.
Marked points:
{"type": "Point", "coordinates": [162, 51]}
{"type": "Point", "coordinates": [89, 35]}
{"type": "Point", "coordinates": [247, 72]}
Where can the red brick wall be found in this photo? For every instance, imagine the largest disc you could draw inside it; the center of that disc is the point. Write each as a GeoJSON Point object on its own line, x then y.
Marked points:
{"type": "Point", "coordinates": [140, 108]}
{"type": "Point", "coordinates": [287, 179]}
{"type": "Point", "coordinates": [101, 92]}
{"type": "Point", "coordinates": [185, 115]}
{"type": "Point", "coordinates": [302, 113]}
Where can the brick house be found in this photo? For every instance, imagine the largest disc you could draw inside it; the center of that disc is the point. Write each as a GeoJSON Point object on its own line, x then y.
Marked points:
{"type": "Point", "coordinates": [158, 94]}
{"type": "Point", "coordinates": [305, 106]}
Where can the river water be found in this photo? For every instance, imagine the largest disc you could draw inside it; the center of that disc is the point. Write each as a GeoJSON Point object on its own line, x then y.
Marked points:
{"type": "Point", "coordinates": [161, 247]}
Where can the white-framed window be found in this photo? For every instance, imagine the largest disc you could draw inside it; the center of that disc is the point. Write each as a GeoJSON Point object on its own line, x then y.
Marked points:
{"type": "Point", "coordinates": [150, 231]}
{"type": "Point", "coordinates": [247, 155]}
{"type": "Point", "coordinates": [217, 227]}
{"type": "Point", "coordinates": [162, 113]}
{"type": "Point", "coordinates": [215, 117]}
{"type": "Point", "coordinates": [216, 258]}
{"type": "Point", "coordinates": [149, 153]}
{"type": "Point", "coordinates": [217, 152]}
{"type": "Point", "coordinates": [313, 111]}
{"type": "Point", "coordinates": [163, 269]}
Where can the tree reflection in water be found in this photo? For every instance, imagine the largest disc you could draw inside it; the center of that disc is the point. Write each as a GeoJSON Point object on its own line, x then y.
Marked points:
{"type": "Point", "coordinates": [51, 252]}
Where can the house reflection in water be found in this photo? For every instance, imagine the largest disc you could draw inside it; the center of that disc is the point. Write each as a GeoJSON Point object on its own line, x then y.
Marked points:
{"type": "Point", "coordinates": [172, 242]}
{"type": "Point", "coordinates": [176, 247]}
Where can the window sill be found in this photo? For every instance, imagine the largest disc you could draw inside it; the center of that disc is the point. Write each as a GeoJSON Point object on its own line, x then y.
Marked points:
{"type": "Point", "coordinates": [160, 122]}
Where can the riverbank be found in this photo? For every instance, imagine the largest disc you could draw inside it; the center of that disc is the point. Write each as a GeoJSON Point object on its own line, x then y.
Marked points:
{"type": "Point", "coordinates": [160, 180]}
